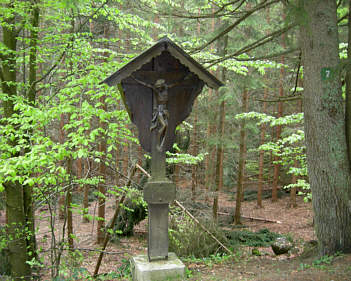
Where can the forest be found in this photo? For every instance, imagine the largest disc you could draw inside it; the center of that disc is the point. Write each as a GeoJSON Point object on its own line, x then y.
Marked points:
{"type": "Point", "coordinates": [264, 158]}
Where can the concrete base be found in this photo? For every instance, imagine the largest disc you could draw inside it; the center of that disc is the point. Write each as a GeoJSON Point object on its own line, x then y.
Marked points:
{"type": "Point", "coordinates": [159, 270]}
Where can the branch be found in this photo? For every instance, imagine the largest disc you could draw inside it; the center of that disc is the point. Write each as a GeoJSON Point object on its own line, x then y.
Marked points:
{"type": "Point", "coordinates": [252, 218]}
{"type": "Point", "coordinates": [180, 14]}
{"type": "Point", "coordinates": [268, 56]}
{"type": "Point", "coordinates": [264, 4]}
{"type": "Point", "coordinates": [343, 17]}
{"type": "Point", "coordinates": [1, 75]}
{"type": "Point", "coordinates": [280, 99]}
{"type": "Point", "coordinates": [253, 45]}
{"type": "Point", "coordinates": [69, 44]}
{"type": "Point", "coordinates": [87, 250]}
{"type": "Point", "coordinates": [297, 73]}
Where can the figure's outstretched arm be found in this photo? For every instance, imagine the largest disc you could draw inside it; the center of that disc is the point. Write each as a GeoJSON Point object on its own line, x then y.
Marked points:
{"type": "Point", "coordinates": [143, 83]}
{"type": "Point", "coordinates": [185, 77]}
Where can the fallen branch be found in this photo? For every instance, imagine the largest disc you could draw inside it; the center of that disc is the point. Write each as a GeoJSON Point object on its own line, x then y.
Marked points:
{"type": "Point", "coordinates": [86, 250]}
{"type": "Point", "coordinates": [142, 170]}
{"type": "Point", "coordinates": [203, 228]}
{"type": "Point", "coordinates": [260, 219]}
{"type": "Point", "coordinates": [112, 223]}
{"type": "Point", "coordinates": [252, 218]}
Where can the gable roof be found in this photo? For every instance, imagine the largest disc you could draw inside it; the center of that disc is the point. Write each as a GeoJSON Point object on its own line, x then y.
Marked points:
{"type": "Point", "coordinates": [164, 44]}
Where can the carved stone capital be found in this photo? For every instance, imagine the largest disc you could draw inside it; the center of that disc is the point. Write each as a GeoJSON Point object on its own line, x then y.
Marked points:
{"type": "Point", "coordinates": [159, 192]}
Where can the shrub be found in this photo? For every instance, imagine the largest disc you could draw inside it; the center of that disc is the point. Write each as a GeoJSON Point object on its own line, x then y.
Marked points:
{"type": "Point", "coordinates": [186, 238]}
{"type": "Point", "coordinates": [261, 238]}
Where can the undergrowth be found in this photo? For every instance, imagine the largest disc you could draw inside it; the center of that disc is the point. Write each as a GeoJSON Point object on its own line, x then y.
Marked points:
{"type": "Point", "coordinates": [187, 239]}
{"type": "Point", "coordinates": [261, 238]}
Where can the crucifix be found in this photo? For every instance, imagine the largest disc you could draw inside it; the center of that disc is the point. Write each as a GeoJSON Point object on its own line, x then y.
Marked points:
{"type": "Point", "coordinates": [158, 89]}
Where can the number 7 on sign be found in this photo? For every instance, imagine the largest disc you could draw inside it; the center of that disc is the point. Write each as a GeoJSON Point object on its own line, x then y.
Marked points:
{"type": "Point", "coordinates": [326, 73]}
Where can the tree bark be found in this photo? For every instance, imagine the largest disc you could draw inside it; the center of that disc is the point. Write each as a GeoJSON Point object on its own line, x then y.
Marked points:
{"type": "Point", "coordinates": [279, 127]}
{"type": "Point", "coordinates": [62, 198]}
{"type": "Point", "coordinates": [261, 155]}
{"type": "Point", "coordinates": [102, 167]}
{"type": "Point", "coordinates": [28, 190]}
{"type": "Point", "coordinates": [327, 158]}
{"type": "Point", "coordinates": [293, 203]}
{"type": "Point", "coordinates": [220, 134]}
{"type": "Point", "coordinates": [242, 159]}
{"type": "Point", "coordinates": [195, 152]}
{"type": "Point", "coordinates": [348, 89]}
{"type": "Point", "coordinates": [101, 187]}
{"type": "Point", "coordinates": [69, 205]}
{"type": "Point", "coordinates": [14, 191]}
{"type": "Point", "coordinates": [86, 198]}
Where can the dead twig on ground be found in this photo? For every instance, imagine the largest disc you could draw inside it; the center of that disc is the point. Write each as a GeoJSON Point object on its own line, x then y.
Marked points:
{"type": "Point", "coordinates": [252, 218]}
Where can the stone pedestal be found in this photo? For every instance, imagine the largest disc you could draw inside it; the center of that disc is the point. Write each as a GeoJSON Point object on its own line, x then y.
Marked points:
{"type": "Point", "coordinates": [159, 270]}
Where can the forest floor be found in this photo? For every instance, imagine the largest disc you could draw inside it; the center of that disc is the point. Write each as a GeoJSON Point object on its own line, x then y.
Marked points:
{"type": "Point", "coordinates": [295, 222]}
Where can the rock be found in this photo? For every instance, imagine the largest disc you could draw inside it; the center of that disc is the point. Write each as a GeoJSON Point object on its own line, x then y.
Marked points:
{"type": "Point", "coordinates": [294, 250]}
{"type": "Point", "coordinates": [281, 246]}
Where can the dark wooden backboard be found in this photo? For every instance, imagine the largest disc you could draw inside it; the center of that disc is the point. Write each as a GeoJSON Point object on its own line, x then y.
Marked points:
{"type": "Point", "coordinates": [181, 96]}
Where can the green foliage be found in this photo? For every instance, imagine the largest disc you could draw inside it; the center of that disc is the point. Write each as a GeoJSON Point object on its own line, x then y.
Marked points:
{"type": "Point", "coordinates": [123, 271]}
{"type": "Point", "coordinates": [187, 239]}
{"type": "Point", "coordinates": [321, 263]}
{"type": "Point", "coordinates": [184, 158]}
{"type": "Point", "coordinates": [290, 148]}
{"type": "Point", "coordinates": [133, 211]}
{"type": "Point", "coordinates": [210, 260]}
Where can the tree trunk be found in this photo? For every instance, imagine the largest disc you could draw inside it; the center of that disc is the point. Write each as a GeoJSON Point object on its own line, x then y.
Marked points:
{"type": "Point", "coordinates": [278, 130]}
{"type": "Point", "coordinates": [14, 191]}
{"type": "Point", "coordinates": [220, 153]}
{"type": "Point", "coordinates": [86, 198]}
{"type": "Point", "coordinates": [261, 157]}
{"type": "Point", "coordinates": [62, 198]}
{"type": "Point", "coordinates": [125, 161]}
{"type": "Point", "coordinates": [242, 159]}
{"type": "Point", "coordinates": [17, 245]}
{"type": "Point", "coordinates": [348, 89]}
{"type": "Point", "coordinates": [195, 152]}
{"type": "Point", "coordinates": [79, 172]}
{"type": "Point", "coordinates": [28, 190]}
{"type": "Point", "coordinates": [327, 159]}
{"type": "Point", "coordinates": [293, 189]}
{"type": "Point", "coordinates": [102, 166]}
{"type": "Point", "coordinates": [102, 189]}
{"type": "Point", "coordinates": [69, 205]}
{"type": "Point", "coordinates": [140, 161]}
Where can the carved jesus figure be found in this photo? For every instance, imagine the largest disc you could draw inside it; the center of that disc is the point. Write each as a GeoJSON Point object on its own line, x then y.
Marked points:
{"type": "Point", "coordinates": [160, 115]}
{"type": "Point", "coordinates": [160, 112]}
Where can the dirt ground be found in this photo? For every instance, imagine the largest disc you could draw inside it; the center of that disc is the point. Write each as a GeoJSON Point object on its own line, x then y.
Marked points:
{"type": "Point", "coordinates": [297, 222]}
